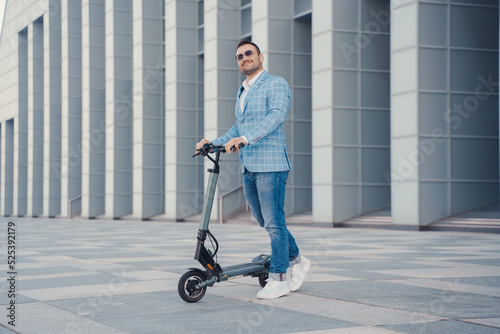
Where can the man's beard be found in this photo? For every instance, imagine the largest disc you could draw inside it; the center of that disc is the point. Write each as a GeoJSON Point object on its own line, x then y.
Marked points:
{"type": "Point", "coordinates": [249, 70]}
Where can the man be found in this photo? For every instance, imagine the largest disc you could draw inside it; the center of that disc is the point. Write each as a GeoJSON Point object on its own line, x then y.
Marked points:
{"type": "Point", "coordinates": [261, 106]}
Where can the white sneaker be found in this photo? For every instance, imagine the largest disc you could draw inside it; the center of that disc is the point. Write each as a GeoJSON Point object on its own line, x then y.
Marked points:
{"type": "Point", "coordinates": [273, 289]}
{"type": "Point", "coordinates": [298, 272]}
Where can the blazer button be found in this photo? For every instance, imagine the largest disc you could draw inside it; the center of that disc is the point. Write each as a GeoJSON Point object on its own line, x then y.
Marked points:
{"type": "Point", "coordinates": [242, 122]}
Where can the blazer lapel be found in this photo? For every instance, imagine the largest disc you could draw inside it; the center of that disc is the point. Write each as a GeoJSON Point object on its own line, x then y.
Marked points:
{"type": "Point", "coordinates": [238, 109]}
{"type": "Point", "coordinates": [254, 87]}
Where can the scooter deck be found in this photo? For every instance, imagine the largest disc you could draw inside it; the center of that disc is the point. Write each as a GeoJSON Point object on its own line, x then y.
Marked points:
{"type": "Point", "coordinates": [258, 266]}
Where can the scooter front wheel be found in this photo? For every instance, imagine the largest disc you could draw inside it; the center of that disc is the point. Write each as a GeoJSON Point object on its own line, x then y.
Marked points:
{"type": "Point", "coordinates": [187, 286]}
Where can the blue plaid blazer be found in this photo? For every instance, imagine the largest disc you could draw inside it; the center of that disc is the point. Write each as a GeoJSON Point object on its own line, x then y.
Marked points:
{"type": "Point", "coordinates": [261, 122]}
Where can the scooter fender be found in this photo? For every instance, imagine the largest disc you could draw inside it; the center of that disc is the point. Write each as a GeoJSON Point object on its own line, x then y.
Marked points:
{"type": "Point", "coordinates": [204, 273]}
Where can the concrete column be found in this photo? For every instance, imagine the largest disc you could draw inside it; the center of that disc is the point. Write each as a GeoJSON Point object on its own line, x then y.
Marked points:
{"type": "Point", "coordinates": [21, 129]}
{"type": "Point", "coordinates": [35, 118]}
{"type": "Point", "coordinates": [351, 131]}
{"type": "Point", "coordinates": [71, 105]}
{"type": "Point", "coordinates": [7, 167]}
{"type": "Point", "coordinates": [93, 108]}
{"type": "Point", "coordinates": [444, 133]}
{"type": "Point", "coordinates": [119, 110]}
{"type": "Point", "coordinates": [52, 112]}
{"type": "Point", "coordinates": [148, 113]}
{"type": "Point", "coordinates": [222, 33]}
{"type": "Point", "coordinates": [404, 115]}
{"type": "Point", "coordinates": [322, 111]}
{"type": "Point", "coordinates": [2, 168]}
{"type": "Point", "coordinates": [184, 63]}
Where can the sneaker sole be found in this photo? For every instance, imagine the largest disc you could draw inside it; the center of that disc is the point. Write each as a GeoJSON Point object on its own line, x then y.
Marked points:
{"type": "Point", "coordinates": [308, 266]}
{"type": "Point", "coordinates": [281, 294]}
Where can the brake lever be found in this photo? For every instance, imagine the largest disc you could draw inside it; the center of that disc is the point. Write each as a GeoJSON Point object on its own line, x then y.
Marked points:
{"type": "Point", "coordinates": [240, 145]}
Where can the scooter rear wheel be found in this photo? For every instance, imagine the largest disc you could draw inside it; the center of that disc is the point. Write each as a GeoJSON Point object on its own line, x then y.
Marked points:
{"type": "Point", "coordinates": [186, 286]}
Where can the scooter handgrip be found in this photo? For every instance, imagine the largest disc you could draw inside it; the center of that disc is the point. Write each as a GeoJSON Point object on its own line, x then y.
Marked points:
{"type": "Point", "coordinates": [240, 145]}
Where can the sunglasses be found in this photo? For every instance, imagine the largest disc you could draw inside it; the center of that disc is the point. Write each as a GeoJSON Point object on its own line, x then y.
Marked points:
{"type": "Point", "coordinates": [247, 53]}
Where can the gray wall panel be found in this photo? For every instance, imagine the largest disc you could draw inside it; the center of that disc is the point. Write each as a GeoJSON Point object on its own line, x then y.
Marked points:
{"type": "Point", "coordinates": [434, 198]}
{"type": "Point", "coordinates": [468, 66]}
{"type": "Point", "coordinates": [433, 112]}
{"type": "Point", "coordinates": [346, 127]}
{"type": "Point", "coordinates": [375, 90]}
{"type": "Point", "coordinates": [468, 195]}
{"type": "Point", "coordinates": [470, 116]}
{"type": "Point", "coordinates": [346, 165]}
{"type": "Point", "coordinates": [375, 127]}
{"type": "Point", "coordinates": [345, 14]}
{"type": "Point", "coordinates": [434, 27]}
{"type": "Point", "coordinates": [433, 69]}
{"type": "Point", "coordinates": [474, 27]}
{"type": "Point", "coordinates": [345, 88]}
{"type": "Point", "coordinates": [375, 16]}
{"type": "Point", "coordinates": [346, 202]}
{"type": "Point", "coordinates": [474, 159]}
{"type": "Point", "coordinates": [433, 159]}
{"type": "Point", "coordinates": [376, 54]}
{"type": "Point", "coordinates": [345, 52]}
{"type": "Point", "coordinates": [375, 197]}
{"type": "Point", "coordinates": [375, 162]}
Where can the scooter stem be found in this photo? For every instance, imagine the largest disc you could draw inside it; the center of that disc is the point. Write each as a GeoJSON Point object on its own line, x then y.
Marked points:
{"type": "Point", "coordinates": [202, 254]}
{"type": "Point", "coordinates": [209, 200]}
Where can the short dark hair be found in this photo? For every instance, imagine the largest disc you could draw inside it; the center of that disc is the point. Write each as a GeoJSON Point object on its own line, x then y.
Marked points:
{"type": "Point", "coordinates": [247, 41]}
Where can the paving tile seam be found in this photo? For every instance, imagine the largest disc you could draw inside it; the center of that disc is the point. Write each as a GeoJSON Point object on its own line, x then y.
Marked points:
{"type": "Point", "coordinates": [468, 321]}
{"type": "Point", "coordinates": [10, 329]}
{"type": "Point", "coordinates": [414, 282]}
{"type": "Point", "coordinates": [449, 264]}
{"type": "Point", "coordinates": [64, 310]}
{"type": "Point", "coordinates": [59, 275]}
{"type": "Point", "coordinates": [28, 293]}
{"type": "Point", "coordinates": [81, 316]}
{"type": "Point", "coordinates": [356, 302]}
{"type": "Point", "coordinates": [276, 304]}
{"type": "Point", "coordinates": [84, 260]}
{"type": "Point", "coordinates": [481, 321]}
{"type": "Point", "coordinates": [373, 305]}
{"type": "Point", "coordinates": [476, 324]}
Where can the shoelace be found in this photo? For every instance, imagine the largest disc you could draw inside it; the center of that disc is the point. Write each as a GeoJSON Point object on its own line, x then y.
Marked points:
{"type": "Point", "coordinates": [270, 282]}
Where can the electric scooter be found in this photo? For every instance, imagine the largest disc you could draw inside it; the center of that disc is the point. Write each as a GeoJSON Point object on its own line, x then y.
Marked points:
{"type": "Point", "coordinates": [193, 284]}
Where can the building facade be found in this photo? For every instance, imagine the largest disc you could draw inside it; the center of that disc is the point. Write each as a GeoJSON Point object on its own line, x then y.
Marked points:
{"type": "Point", "coordinates": [394, 105]}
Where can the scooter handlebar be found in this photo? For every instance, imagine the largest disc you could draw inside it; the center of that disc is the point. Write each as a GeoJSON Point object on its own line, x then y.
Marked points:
{"type": "Point", "coordinates": [209, 148]}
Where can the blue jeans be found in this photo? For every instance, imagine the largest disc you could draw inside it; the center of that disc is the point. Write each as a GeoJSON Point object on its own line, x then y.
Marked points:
{"type": "Point", "coordinates": [265, 193]}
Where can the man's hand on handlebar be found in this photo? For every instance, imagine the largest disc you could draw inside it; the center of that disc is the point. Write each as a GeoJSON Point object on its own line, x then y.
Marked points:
{"type": "Point", "coordinates": [234, 145]}
{"type": "Point", "coordinates": [200, 144]}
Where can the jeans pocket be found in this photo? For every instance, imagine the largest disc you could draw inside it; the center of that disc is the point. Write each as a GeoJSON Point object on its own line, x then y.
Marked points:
{"type": "Point", "coordinates": [283, 176]}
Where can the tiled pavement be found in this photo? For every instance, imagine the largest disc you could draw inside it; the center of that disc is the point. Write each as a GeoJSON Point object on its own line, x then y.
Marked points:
{"type": "Point", "coordinates": [84, 276]}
